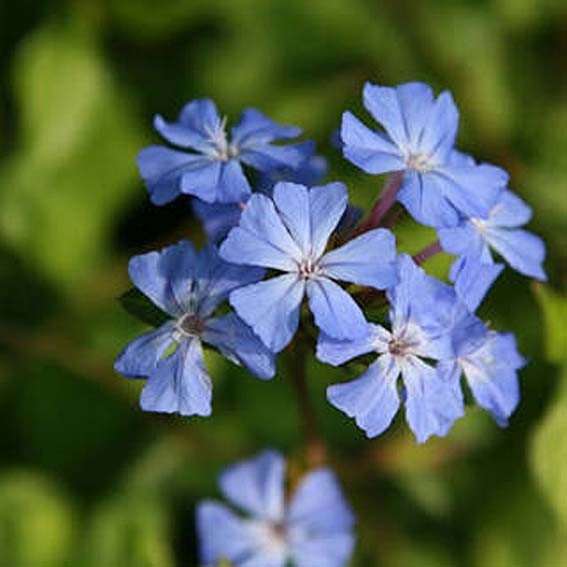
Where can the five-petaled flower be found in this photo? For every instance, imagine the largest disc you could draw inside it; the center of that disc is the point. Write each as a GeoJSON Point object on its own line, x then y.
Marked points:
{"type": "Point", "coordinates": [189, 287]}
{"type": "Point", "coordinates": [439, 185]}
{"type": "Point", "coordinates": [289, 233]}
{"type": "Point", "coordinates": [212, 171]}
{"type": "Point", "coordinates": [313, 528]}
{"type": "Point", "coordinates": [474, 237]}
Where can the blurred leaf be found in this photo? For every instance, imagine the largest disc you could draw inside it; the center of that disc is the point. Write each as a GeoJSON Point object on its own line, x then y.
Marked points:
{"type": "Point", "coordinates": [128, 531]}
{"type": "Point", "coordinates": [72, 170]}
{"type": "Point", "coordinates": [36, 523]}
{"type": "Point", "coordinates": [139, 306]}
{"type": "Point", "coordinates": [549, 453]}
{"type": "Point", "coordinates": [554, 309]}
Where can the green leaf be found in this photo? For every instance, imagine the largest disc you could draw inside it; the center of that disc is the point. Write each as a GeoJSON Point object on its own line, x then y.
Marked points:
{"type": "Point", "coordinates": [139, 306]}
{"type": "Point", "coordinates": [74, 167]}
{"type": "Point", "coordinates": [128, 531]}
{"type": "Point", "coordinates": [36, 523]}
{"type": "Point", "coordinates": [554, 310]}
{"type": "Point", "coordinates": [549, 453]}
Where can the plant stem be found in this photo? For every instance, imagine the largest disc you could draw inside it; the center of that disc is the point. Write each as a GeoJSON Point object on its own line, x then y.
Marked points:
{"type": "Point", "coordinates": [383, 204]}
{"type": "Point", "coordinates": [427, 252]}
{"type": "Point", "coordinates": [315, 448]}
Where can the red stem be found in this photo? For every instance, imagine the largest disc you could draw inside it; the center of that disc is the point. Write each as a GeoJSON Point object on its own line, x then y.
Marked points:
{"type": "Point", "coordinates": [427, 252]}
{"type": "Point", "coordinates": [383, 204]}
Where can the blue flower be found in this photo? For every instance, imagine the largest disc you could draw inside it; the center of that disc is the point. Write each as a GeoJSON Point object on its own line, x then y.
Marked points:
{"type": "Point", "coordinates": [290, 234]}
{"type": "Point", "coordinates": [475, 237]}
{"type": "Point", "coordinates": [212, 171]}
{"type": "Point", "coordinates": [311, 529]}
{"type": "Point", "coordinates": [189, 287]}
{"type": "Point", "coordinates": [423, 314]}
{"type": "Point", "coordinates": [489, 360]}
{"type": "Point", "coordinates": [219, 218]}
{"type": "Point", "coordinates": [438, 186]}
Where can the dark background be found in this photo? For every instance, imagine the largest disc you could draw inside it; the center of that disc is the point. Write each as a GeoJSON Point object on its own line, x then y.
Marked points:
{"type": "Point", "coordinates": [86, 478]}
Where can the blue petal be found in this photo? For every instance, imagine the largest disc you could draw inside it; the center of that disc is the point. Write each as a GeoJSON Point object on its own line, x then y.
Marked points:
{"type": "Point", "coordinates": [217, 219]}
{"type": "Point", "coordinates": [463, 240]}
{"type": "Point", "coordinates": [320, 522]}
{"type": "Point", "coordinates": [200, 115]}
{"type": "Point", "coordinates": [165, 276]}
{"type": "Point", "coordinates": [180, 383]}
{"type": "Point", "coordinates": [403, 111]}
{"type": "Point", "coordinates": [367, 260]}
{"type": "Point", "coordinates": [238, 343]}
{"type": "Point", "coordinates": [473, 191]}
{"type": "Point", "coordinates": [334, 351]}
{"type": "Point", "coordinates": [223, 534]}
{"type": "Point", "coordinates": [256, 128]}
{"type": "Point", "coordinates": [335, 311]}
{"type": "Point", "coordinates": [219, 181]}
{"type": "Point", "coordinates": [310, 215]}
{"type": "Point", "coordinates": [327, 204]}
{"type": "Point", "coordinates": [491, 373]}
{"type": "Point", "coordinates": [180, 134]}
{"type": "Point", "coordinates": [163, 169]}
{"type": "Point", "coordinates": [423, 195]}
{"type": "Point", "coordinates": [440, 130]}
{"type": "Point", "coordinates": [256, 485]}
{"type": "Point", "coordinates": [524, 251]}
{"type": "Point", "coordinates": [372, 399]}
{"type": "Point", "coordinates": [271, 308]}
{"type": "Point", "coordinates": [268, 157]}
{"type": "Point", "coordinates": [431, 404]}
{"type": "Point", "coordinates": [473, 279]}
{"type": "Point", "coordinates": [261, 239]}
{"type": "Point", "coordinates": [510, 211]}
{"type": "Point", "coordinates": [369, 150]}
{"type": "Point", "coordinates": [140, 357]}
{"type": "Point", "coordinates": [214, 279]}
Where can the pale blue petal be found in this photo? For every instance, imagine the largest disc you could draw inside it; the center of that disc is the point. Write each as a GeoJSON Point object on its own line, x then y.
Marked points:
{"type": "Point", "coordinates": [367, 260]}
{"type": "Point", "coordinates": [163, 170]}
{"type": "Point", "coordinates": [510, 211]}
{"type": "Point", "coordinates": [292, 204]}
{"type": "Point", "coordinates": [524, 251]}
{"type": "Point", "coordinates": [334, 310]}
{"type": "Point", "coordinates": [203, 181]}
{"type": "Point", "coordinates": [255, 128]}
{"type": "Point", "coordinates": [180, 134]}
{"type": "Point", "coordinates": [261, 239]}
{"type": "Point", "coordinates": [431, 404]}
{"type": "Point", "coordinates": [327, 204]}
{"type": "Point", "coordinates": [323, 551]}
{"type": "Point", "coordinates": [140, 357]}
{"type": "Point", "coordinates": [422, 194]}
{"type": "Point", "coordinates": [473, 191]}
{"type": "Point", "coordinates": [334, 351]}
{"type": "Point", "coordinates": [372, 400]}
{"type": "Point", "coordinates": [201, 116]}
{"type": "Point", "coordinates": [165, 276]}
{"type": "Point", "coordinates": [233, 186]}
{"type": "Point", "coordinates": [238, 343]}
{"type": "Point", "coordinates": [267, 157]}
{"type": "Point", "coordinates": [217, 219]}
{"type": "Point", "coordinates": [223, 534]}
{"type": "Point", "coordinates": [214, 279]}
{"type": "Point", "coordinates": [256, 485]}
{"type": "Point", "coordinates": [318, 505]}
{"type": "Point", "coordinates": [271, 308]}
{"type": "Point", "coordinates": [369, 150]}
{"type": "Point", "coordinates": [180, 383]}
{"type": "Point", "coordinates": [491, 373]}
{"type": "Point", "coordinates": [473, 279]}
{"type": "Point", "coordinates": [440, 130]}
{"type": "Point", "coordinates": [462, 240]}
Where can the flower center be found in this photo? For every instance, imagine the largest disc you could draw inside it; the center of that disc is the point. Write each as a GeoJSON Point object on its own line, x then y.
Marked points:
{"type": "Point", "coordinates": [419, 162]}
{"type": "Point", "coordinates": [190, 325]}
{"type": "Point", "coordinates": [406, 341]}
{"type": "Point", "coordinates": [479, 224]}
{"type": "Point", "coordinates": [222, 150]}
{"type": "Point", "coordinates": [309, 269]}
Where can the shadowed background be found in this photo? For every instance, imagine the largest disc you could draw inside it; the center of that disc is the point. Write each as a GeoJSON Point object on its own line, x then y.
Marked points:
{"type": "Point", "coordinates": [85, 477]}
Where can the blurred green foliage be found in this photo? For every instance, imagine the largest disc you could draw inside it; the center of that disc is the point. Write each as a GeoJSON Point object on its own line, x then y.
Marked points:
{"type": "Point", "coordinates": [86, 478]}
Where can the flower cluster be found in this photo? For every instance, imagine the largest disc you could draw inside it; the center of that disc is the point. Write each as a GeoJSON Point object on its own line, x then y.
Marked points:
{"type": "Point", "coordinates": [285, 252]}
